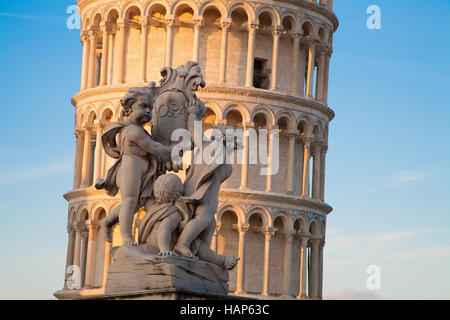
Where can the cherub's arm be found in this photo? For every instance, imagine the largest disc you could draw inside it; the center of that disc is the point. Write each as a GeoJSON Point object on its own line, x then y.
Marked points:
{"type": "Point", "coordinates": [143, 140]}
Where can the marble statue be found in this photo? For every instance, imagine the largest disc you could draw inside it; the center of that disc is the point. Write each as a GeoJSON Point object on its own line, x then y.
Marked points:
{"type": "Point", "coordinates": [179, 220]}
{"type": "Point", "coordinates": [135, 170]}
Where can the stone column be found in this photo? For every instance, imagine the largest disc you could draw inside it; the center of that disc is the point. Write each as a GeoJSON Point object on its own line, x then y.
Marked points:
{"type": "Point", "coordinates": [330, 5]}
{"type": "Point", "coordinates": [276, 39]}
{"type": "Point", "coordinates": [320, 76]}
{"type": "Point", "coordinates": [306, 162]}
{"type": "Point", "coordinates": [250, 54]}
{"type": "Point", "coordinates": [322, 172]}
{"type": "Point", "coordinates": [169, 41]}
{"type": "Point", "coordinates": [316, 172]}
{"type": "Point", "coordinates": [144, 48]}
{"type": "Point", "coordinates": [311, 66]}
{"type": "Point", "coordinates": [70, 252]}
{"type": "Point", "coordinates": [302, 69]}
{"type": "Point", "coordinates": [287, 264]}
{"type": "Point", "coordinates": [122, 25]}
{"type": "Point", "coordinates": [105, 54]}
{"type": "Point", "coordinates": [290, 165]}
{"type": "Point", "coordinates": [215, 242]}
{"type": "Point", "coordinates": [98, 152]}
{"type": "Point", "coordinates": [244, 167]}
{"type": "Point", "coordinates": [92, 225]}
{"type": "Point", "coordinates": [93, 34]}
{"type": "Point", "coordinates": [304, 238]}
{"type": "Point", "coordinates": [327, 75]}
{"type": "Point", "coordinates": [84, 239]}
{"type": "Point", "coordinates": [86, 158]}
{"type": "Point", "coordinates": [314, 273]}
{"type": "Point", "coordinates": [241, 264]}
{"type": "Point", "coordinates": [108, 247]}
{"type": "Point", "coordinates": [77, 249]}
{"type": "Point", "coordinates": [266, 285]}
{"type": "Point", "coordinates": [196, 47]}
{"type": "Point", "coordinates": [224, 51]}
{"type": "Point", "coordinates": [78, 158]}
{"type": "Point", "coordinates": [322, 244]}
{"type": "Point", "coordinates": [295, 63]}
{"type": "Point", "coordinates": [270, 156]}
{"type": "Point", "coordinates": [85, 61]}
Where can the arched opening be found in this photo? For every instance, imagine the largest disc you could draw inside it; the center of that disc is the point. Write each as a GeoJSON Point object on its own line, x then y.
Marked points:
{"type": "Point", "coordinates": [228, 241]}
{"type": "Point", "coordinates": [111, 20]}
{"type": "Point", "coordinates": [234, 118]}
{"type": "Point", "coordinates": [254, 263]}
{"type": "Point", "coordinates": [238, 39]}
{"type": "Point", "coordinates": [156, 52]}
{"type": "Point", "coordinates": [209, 119]}
{"type": "Point", "coordinates": [183, 35]}
{"type": "Point", "coordinates": [278, 243]}
{"type": "Point", "coordinates": [133, 45]}
{"type": "Point", "coordinates": [262, 65]}
{"type": "Point", "coordinates": [99, 255]}
{"type": "Point", "coordinates": [210, 44]}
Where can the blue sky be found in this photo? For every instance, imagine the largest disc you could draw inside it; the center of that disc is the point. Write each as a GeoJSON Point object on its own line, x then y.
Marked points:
{"type": "Point", "coordinates": [388, 167]}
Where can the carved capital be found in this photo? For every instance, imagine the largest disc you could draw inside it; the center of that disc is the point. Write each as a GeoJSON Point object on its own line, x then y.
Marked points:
{"type": "Point", "coordinates": [79, 134]}
{"type": "Point", "coordinates": [243, 228]}
{"type": "Point", "coordinates": [84, 36]}
{"type": "Point", "coordinates": [94, 32]}
{"type": "Point", "coordinates": [170, 23]}
{"type": "Point", "coordinates": [269, 233]}
{"type": "Point", "coordinates": [143, 21]}
{"type": "Point", "coordinates": [307, 141]}
{"type": "Point", "coordinates": [71, 230]}
{"type": "Point", "coordinates": [198, 22]}
{"type": "Point", "coordinates": [91, 224]}
{"type": "Point", "coordinates": [225, 25]}
{"type": "Point", "coordinates": [276, 31]}
{"type": "Point", "coordinates": [324, 149]}
{"type": "Point", "coordinates": [315, 242]}
{"type": "Point", "coordinates": [123, 24]}
{"type": "Point", "coordinates": [252, 28]}
{"type": "Point", "coordinates": [296, 36]}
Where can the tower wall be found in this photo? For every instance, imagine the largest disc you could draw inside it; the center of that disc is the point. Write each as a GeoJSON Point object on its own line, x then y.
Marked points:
{"type": "Point", "coordinates": [276, 224]}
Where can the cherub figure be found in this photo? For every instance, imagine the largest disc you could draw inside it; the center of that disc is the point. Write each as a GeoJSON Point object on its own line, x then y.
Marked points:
{"type": "Point", "coordinates": [136, 168]}
{"type": "Point", "coordinates": [167, 216]}
{"type": "Point", "coordinates": [202, 187]}
{"type": "Point", "coordinates": [166, 209]}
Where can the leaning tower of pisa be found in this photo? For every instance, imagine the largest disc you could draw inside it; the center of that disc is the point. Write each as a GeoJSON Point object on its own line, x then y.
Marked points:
{"type": "Point", "coordinates": [266, 65]}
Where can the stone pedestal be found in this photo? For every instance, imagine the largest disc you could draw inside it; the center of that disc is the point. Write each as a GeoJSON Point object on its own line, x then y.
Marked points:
{"type": "Point", "coordinates": [139, 270]}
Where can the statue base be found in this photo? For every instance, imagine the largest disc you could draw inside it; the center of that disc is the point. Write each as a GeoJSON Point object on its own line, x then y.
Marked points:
{"type": "Point", "coordinates": [139, 270]}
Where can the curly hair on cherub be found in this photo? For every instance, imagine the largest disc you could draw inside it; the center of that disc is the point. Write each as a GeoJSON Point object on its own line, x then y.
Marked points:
{"type": "Point", "coordinates": [168, 188]}
{"type": "Point", "coordinates": [131, 97]}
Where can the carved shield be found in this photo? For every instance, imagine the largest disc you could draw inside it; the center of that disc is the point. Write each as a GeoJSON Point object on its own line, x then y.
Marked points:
{"type": "Point", "coordinates": [177, 88]}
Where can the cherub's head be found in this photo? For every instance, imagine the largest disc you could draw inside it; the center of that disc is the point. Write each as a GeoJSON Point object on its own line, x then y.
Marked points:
{"type": "Point", "coordinates": [137, 105]}
{"type": "Point", "coordinates": [168, 188]}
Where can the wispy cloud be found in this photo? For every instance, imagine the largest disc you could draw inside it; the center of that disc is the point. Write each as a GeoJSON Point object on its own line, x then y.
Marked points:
{"type": "Point", "coordinates": [33, 17]}
{"type": "Point", "coordinates": [406, 177]}
{"type": "Point", "coordinates": [423, 253]}
{"type": "Point", "coordinates": [388, 245]}
{"type": "Point", "coordinates": [11, 175]}
{"type": "Point", "coordinates": [400, 235]}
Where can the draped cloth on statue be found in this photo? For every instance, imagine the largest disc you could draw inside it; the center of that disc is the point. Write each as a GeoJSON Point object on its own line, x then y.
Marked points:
{"type": "Point", "coordinates": [114, 150]}
{"type": "Point", "coordinates": [199, 178]}
{"type": "Point", "coordinates": [158, 212]}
